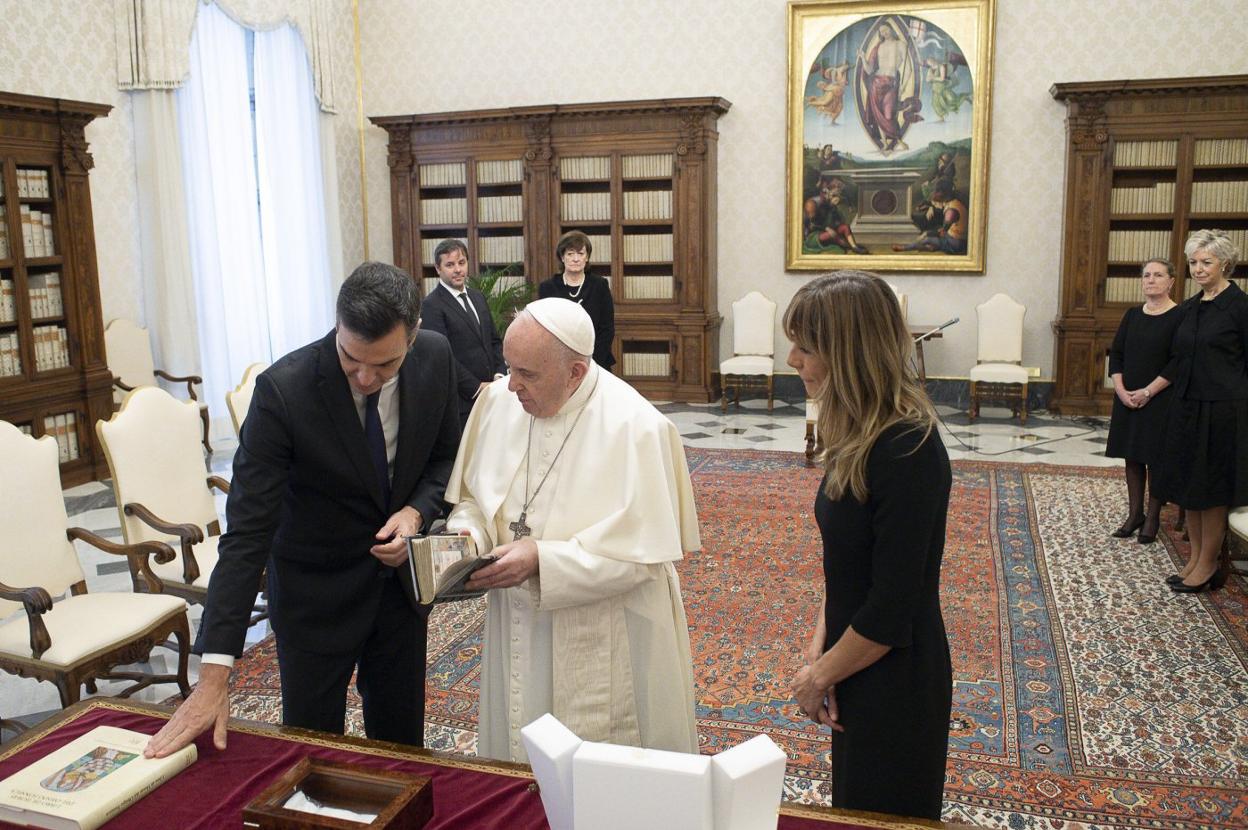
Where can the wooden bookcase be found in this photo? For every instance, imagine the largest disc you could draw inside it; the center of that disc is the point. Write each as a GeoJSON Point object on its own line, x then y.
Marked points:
{"type": "Point", "coordinates": [53, 378]}
{"type": "Point", "coordinates": [1147, 163]}
{"type": "Point", "coordinates": [639, 177]}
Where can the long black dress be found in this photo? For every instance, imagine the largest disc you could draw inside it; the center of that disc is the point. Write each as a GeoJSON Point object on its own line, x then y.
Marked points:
{"type": "Point", "coordinates": [1205, 462]}
{"type": "Point", "coordinates": [594, 295]}
{"type": "Point", "coordinates": [1140, 352]}
{"type": "Point", "coordinates": [881, 564]}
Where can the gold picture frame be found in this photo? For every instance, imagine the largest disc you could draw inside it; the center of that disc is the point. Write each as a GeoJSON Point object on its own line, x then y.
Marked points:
{"type": "Point", "coordinates": [887, 149]}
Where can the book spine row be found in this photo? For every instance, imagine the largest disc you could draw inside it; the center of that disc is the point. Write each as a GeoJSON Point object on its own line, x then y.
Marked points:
{"type": "Point", "coordinates": [443, 211]}
{"type": "Point", "coordinates": [500, 209]}
{"type": "Point", "coordinates": [1220, 197]}
{"type": "Point", "coordinates": [1123, 290]}
{"type": "Point", "coordinates": [501, 249]}
{"type": "Point", "coordinates": [1240, 238]}
{"type": "Point", "coordinates": [649, 288]}
{"type": "Point", "coordinates": [8, 301]}
{"type": "Point", "coordinates": [1145, 153]}
{"type": "Point", "coordinates": [601, 244]}
{"type": "Point", "coordinates": [5, 251]}
{"type": "Point", "coordinates": [37, 232]}
{"type": "Point", "coordinates": [647, 364]}
{"type": "Point", "coordinates": [648, 204]}
{"type": "Point", "coordinates": [585, 207]}
{"type": "Point", "coordinates": [509, 171]}
{"type": "Point", "coordinates": [443, 175]}
{"type": "Point", "coordinates": [1156, 199]}
{"type": "Point", "coordinates": [26, 429]}
{"type": "Point", "coordinates": [428, 246]}
{"type": "Point", "coordinates": [45, 299]}
{"type": "Point", "coordinates": [1211, 151]}
{"type": "Point", "coordinates": [51, 348]}
{"type": "Point", "coordinates": [1137, 246]}
{"type": "Point", "coordinates": [10, 355]}
{"type": "Point", "coordinates": [656, 166]}
{"type": "Point", "coordinates": [587, 167]}
{"type": "Point", "coordinates": [64, 428]}
{"type": "Point", "coordinates": [33, 184]}
{"type": "Point", "coordinates": [648, 247]}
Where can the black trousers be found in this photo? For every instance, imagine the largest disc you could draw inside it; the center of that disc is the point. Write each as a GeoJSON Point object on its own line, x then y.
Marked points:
{"type": "Point", "coordinates": [391, 678]}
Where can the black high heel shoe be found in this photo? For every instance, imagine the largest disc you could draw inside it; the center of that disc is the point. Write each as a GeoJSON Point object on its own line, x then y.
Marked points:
{"type": "Point", "coordinates": [1148, 538]}
{"type": "Point", "coordinates": [1174, 579]}
{"type": "Point", "coordinates": [1128, 529]}
{"type": "Point", "coordinates": [1213, 583]}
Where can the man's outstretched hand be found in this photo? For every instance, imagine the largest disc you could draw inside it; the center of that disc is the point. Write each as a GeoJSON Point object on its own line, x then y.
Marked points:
{"type": "Point", "coordinates": [208, 706]}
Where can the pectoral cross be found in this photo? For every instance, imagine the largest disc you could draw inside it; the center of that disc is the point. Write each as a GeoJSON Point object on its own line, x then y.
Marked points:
{"type": "Point", "coordinates": [519, 528]}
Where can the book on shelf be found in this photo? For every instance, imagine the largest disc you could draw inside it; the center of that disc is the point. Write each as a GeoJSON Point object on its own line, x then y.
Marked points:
{"type": "Point", "coordinates": [1123, 290]}
{"type": "Point", "coordinates": [601, 244]}
{"type": "Point", "coordinates": [4, 233]}
{"type": "Point", "coordinates": [501, 249]}
{"type": "Point", "coordinates": [27, 229]}
{"type": "Point", "coordinates": [653, 166]}
{"type": "Point", "coordinates": [1137, 246]}
{"type": "Point", "coordinates": [54, 425]}
{"type": "Point", "coordinates": [26, 428]}
{"type": "Point", "coordinates": [648, 204]}
{"type": "Point", "coordinates": [49, 246]}
{"type": "Point", "coordinates": [507, 171]}
{"type": "Point", "coordinates": [500, 209]}
{"type": "Point", "coordinates": [585, 167]}
{"type": "Point", "coordinates": [1220, 197]}
{"type": "Point", "coordinates": [585, 207]}
{"type": "Point", "coordinates": [8, 300]}
{"type": "Point", "coordinates": [88, 781]}
{"type": "Point", "coordinates": [38, 243]}
{"type": "Point", "coordinates": [443, 211]}
{"type": "Point", "coordinates": [1145, 153]}
{"type": "Point", "coordinates": [10, 355]}
{"type": "Point", "coordinates": [648, 247]}
{"type": "Point", "coordinates": [440, 564]}
{"type": "Point", "coordinates": [658, 287]}
{"type": "Point", "coordinates": [1156, 198]}
{"type": "Point", "coordinates": [71, 434]}
{"type": "Point", "coordinates": [443, 175]}
{"type": "Point", "coordinates": [1214, 151]}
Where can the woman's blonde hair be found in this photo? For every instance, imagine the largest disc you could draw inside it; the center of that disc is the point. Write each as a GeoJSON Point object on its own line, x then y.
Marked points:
{"type": "Point", "coordinates": [1216, 242]}
{"type": "Point", "coordinates": [851, 321]}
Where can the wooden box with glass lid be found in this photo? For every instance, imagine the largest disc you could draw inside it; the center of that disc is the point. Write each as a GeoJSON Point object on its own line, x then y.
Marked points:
{"type": "Point", "coordinates": [53, 379]}
{"type": "Point", "coordinates": [1147, 163]}
{"type": "Point", "coordinates": [637, 177]}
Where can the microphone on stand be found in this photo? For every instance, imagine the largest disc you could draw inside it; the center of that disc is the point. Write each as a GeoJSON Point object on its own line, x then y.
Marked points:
{"type": "Point", "coordinates": [941, 327]}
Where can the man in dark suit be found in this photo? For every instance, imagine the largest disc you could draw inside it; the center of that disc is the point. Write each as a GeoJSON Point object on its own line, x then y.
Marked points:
{"type": "Point", "coordinates": [463, 316]}
{"type": "Point", "coordinates": [346, 449]}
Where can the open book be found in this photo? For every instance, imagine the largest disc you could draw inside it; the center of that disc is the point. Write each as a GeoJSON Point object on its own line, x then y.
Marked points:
{"type": "Point", "coordinates": [441, 564]}
{"type": "Point", "coordinates": [88, 781]}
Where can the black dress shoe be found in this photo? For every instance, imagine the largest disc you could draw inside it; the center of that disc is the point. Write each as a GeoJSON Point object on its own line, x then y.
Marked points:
{"type": "Point", "coordinates": [1174, 579]}
{"type": "Point", "coordinates": [1213, 583]}
{"type": "Point", "coordinates": [1128, 528]}
{"type": "Point", "coordinates": [1144, 539]}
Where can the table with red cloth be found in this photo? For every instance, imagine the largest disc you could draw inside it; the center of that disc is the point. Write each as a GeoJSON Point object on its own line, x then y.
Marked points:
{"type": "Point", "coordinates": [211, 793]}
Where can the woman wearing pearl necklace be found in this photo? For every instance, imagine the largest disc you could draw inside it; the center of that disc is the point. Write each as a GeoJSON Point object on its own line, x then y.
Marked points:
{"type": "Point", "coordinates": [591, 292]}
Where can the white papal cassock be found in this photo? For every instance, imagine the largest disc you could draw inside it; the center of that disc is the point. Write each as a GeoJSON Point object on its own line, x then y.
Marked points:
{"type": "Point", "coordinates": [598, 637]}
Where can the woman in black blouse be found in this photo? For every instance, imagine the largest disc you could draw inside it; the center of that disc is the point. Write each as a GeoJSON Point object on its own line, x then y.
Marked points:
{"type": "Point", "coordinates": [877, 667]}
{"type": "Point", "coordinates": [579, 286]}
{"type": "Point", "coordinates": [1205, 464]}
{"type": "Point", "coordinates": [1140, 351]}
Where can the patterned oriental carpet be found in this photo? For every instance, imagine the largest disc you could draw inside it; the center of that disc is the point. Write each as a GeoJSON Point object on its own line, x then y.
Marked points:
{"type": "Point", "coordinates": [1086, 695]}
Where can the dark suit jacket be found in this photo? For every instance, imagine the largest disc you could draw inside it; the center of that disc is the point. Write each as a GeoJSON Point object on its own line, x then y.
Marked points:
{"type": "Point", "coordinates": [305, 497]}
{"type": "Point", "coordinates": [477, 347]}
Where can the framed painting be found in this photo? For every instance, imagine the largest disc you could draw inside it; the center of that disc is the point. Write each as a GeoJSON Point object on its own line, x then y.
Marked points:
{"type": "Point", "coordinates": [888, 115]}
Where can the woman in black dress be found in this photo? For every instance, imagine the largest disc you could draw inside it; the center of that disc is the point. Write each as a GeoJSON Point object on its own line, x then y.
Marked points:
{"type": "Point", "coordinates": [1205, 464]}
{"type": "Point", "coordinates": [579, 286]}
{"type": "Point", "coordinates": [878, 671]}
{"type": "Point", "coordinates": [1140, 351]}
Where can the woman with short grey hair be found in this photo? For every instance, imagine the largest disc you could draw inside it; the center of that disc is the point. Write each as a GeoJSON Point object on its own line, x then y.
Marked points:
{"type": "Point", "coordinates": [1205, 465]}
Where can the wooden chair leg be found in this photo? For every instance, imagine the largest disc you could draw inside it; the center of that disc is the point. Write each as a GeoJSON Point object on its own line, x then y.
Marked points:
{"type": "Point", "coordinates": [203, 416]}
{"type": "Point", "coordinates": [1022, 407]}
{"type": "Point", "coordinates": [972, 411]}
{"type": "Point", "coordinates": [771, 393]}
{"type": "Point", "coordinates": [810, 443]}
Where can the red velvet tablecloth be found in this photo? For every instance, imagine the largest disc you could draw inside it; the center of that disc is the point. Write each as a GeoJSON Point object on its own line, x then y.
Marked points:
{"type": "Point", "coordinates": [211, 793]}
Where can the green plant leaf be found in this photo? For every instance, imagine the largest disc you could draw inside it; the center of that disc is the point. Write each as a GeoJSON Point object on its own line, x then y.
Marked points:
{"type": "Point", "coordinates": [503, 296]}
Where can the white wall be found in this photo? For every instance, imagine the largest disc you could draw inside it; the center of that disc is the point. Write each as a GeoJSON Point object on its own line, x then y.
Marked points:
{"type": "Point", "coordinates": [446, 54]}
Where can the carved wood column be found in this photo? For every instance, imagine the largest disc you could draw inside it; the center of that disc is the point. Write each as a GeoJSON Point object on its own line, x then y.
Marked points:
{"type": "Point", "coordinates": [402, 217]}
{"type": "Point", "coordinates": [540, 200]}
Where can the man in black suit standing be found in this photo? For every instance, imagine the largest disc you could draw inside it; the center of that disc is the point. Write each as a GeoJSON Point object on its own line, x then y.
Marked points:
{"type": "Point", "coordinates": [463, 316]}
{"type": "Point", "coordinates": [346, 449]}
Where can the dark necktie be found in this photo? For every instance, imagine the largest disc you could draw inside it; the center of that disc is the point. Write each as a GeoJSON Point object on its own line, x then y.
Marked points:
{"type": "Point", "coordinates": [463, 298]}
{"type": "Point", "coordinates": [375, 437]}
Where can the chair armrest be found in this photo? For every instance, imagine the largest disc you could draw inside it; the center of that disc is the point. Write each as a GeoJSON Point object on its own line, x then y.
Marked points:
{"type": "Point", "coordinates": [123, 387]}
{"type": "Point", "coordinates": [189, 534]}
{"type": "Point", "coordinates": [219, 483]}
{"type": "Point", "coordinates": [136, 553]}
{"type": "Point", "coordinates": [189, 380]}
{"type": "Point", "coordinates": [36, 601]}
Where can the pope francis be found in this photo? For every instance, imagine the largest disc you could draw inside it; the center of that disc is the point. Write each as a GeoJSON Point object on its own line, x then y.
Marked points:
{"type": "Point", "coordinates": [580, 488]}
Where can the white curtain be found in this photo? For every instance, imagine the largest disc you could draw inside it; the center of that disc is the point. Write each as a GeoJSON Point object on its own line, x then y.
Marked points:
{"type": "Point", "coordinates": [214, 118]}
{"type": "Point", "coordinates": [292, 196]}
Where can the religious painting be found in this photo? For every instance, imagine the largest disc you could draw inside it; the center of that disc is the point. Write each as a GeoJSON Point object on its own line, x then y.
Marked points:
{"type": "Point", "coordinates": [888, 135]}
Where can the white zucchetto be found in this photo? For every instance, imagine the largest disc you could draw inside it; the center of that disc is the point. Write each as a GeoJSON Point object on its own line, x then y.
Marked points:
{"type": "Point", "coordinates": [567, 321]}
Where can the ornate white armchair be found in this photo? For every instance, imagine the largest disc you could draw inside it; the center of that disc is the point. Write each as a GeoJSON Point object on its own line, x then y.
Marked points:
{"type": "Point", "coordinates": [998, 374]}
{"type": "Point", "coordinates": [129, 352]}
{"type": "Point", "coordinates": [68, 636]}
{"type": "Point", "coordinates": [238, 401]}
{"type": "Point", "coordinates": [162, 486]}
{"type": "Point", "coordinates": [753, 349]}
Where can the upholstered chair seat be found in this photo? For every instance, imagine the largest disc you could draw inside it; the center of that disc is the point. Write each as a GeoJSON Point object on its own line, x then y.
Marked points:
{"type": "Point", "coordinates": [998, 373]}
